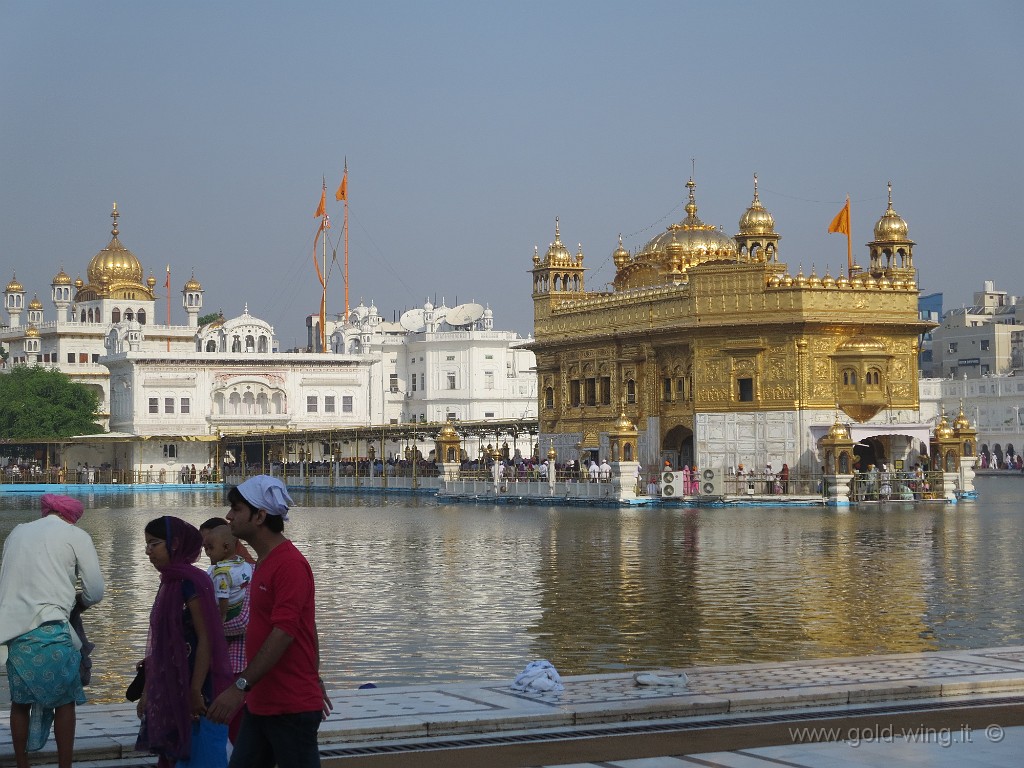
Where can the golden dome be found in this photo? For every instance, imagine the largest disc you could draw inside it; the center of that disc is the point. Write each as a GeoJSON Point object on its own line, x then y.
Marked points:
{"type": "Point", "coordinates": [756, 220]}
{"type": "Point", "coordinates": [623, 424]}
{"type": "Point", "coordinates": [691, 241]}
{"type": "Point", "coordinates": [35, 303]}
{"type": "Point", "coordinates": [814, 281]}
{"type": "Point", "coordinates": [558, 254]}
{"type": "Point", "coordinates": [621, 255]}
{"type": "Point", "coordinates": [801, 279]}
{"type": "Point", "coordinates": [942, 429]}
{"type": "Point", "coordinates": [842, 281]}
{"type": "Point", "coordinates": [774, 281]}
{"type": "Point", "coordinates": [14, 286]}
{"type": "Point", "coordinates": [864, 345]}
{"type": "Point", "coordinates": [31, 332]}
{"type": "Point", "coordinates": [193, 285]}
{"type": "Point", "coordinates": [115, 263]}
{"type": "Point", "coordinates": [61, 278]}
{"type": "Point", "coordinates": [828, 281]}
{"type": "Point", "coordinates": [891, 227]}
{"type": "Point", "coordinates": [839, 431]}
{"type": "Point", "coordinates": [79, 282]}
{"type": "Point", "coordinates": [961, 422]}
{"type": "Point", "coordinates": [447, 433]}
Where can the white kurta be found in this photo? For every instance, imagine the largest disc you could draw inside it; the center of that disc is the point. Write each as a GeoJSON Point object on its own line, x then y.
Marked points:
{"type": "Point", "coordinates": [42, 563]}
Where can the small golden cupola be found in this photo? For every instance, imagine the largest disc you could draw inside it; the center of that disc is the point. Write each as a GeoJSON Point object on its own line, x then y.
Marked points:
{"type": "Point", "coordinates": [892, 249]}
{"type": "Point", "coordinates": [14, 286]}
{"type": "Point", "coordinates": [861, 364]}
{"type": "Point", "coordinates": [559, 271]}
{"type": "Point", "coordinates": [621, 255]}
{"type": "Point", "coordinates": [35, 303]}
{"type": "Point", "coordinates": [757, 239]}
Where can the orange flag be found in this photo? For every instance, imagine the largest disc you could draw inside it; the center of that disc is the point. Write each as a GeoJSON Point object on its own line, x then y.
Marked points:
{"type": "Point", "coordinates": [321, 209]}
{"type": "Point", "coordinates": [342, 193]}
{"type": "Point", "coordinates": [841, 223]}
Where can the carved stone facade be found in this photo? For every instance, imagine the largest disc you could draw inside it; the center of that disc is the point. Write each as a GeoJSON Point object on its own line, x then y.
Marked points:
{"type": "Point", "coordinates": [716, 352]}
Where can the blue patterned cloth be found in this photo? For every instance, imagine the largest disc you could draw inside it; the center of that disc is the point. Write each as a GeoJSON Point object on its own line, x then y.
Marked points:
{"type": "Point", "coordinates": [43, 671]}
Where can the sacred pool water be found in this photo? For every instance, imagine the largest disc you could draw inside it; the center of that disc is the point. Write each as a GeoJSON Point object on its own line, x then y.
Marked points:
{"type": "Point", "coordinates": [412, 591]}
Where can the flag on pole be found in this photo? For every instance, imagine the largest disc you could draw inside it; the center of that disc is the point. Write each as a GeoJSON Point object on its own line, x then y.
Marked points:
{"type": "Point", "coordinates": [841, 223]}
{"type": "Point", "coordinates": [321, 210]}
{"type": "Point", "coordinates": [342, 193]}
{"type": "Point", "coordinates": [167, 283]}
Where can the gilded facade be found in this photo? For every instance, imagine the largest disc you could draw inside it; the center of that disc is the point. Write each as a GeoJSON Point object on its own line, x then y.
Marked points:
{"type": "Point", "coordinates": [719, 353]}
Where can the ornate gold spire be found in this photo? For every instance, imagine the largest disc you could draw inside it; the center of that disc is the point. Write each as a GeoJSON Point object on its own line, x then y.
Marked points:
{"type": "Point", "coordinates": [891, 227]}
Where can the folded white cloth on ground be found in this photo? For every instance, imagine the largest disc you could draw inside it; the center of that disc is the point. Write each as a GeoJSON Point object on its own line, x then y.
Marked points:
{"type": "Point", "coordinates": [539, 676]}
{"type": "Point", "coordinates": [653, 678]}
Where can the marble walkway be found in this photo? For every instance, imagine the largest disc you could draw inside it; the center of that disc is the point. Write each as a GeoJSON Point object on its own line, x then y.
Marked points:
{"type": "Point", "coordinates": [963, 708]}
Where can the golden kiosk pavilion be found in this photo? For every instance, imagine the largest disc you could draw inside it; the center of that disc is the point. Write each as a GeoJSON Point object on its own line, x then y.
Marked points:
{"type": "Point", "coordinates": [721, 357]}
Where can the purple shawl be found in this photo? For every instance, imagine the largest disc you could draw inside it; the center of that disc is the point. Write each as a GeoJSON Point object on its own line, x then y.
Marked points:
{"type": "Point", "coordinates": [167, 728]}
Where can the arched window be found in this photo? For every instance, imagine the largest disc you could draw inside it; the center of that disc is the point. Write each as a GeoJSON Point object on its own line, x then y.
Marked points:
{"type": "Point", "coordinates": [90, 315]}
{"type": "Point", "coordinates": [264, 344]}
{"type": "Point", "coordinates": [236, 344]}
{"type": "Point", "coordinates": [115, 315]}
{"type": "Point", "coordinates": [129, 315]}
{"type": "Point", "coordinates": [630, 391]}
{"type": "Point", "coordinates": [140, 316]}
{"type": "Point", "coordinates": [250, 343]}
{"type": "Point", "coordinates": [549, 397]}
{"type": "Point", "coordinates": [83, 315]}
{"type": "Point", "coordinates": [235, 404]}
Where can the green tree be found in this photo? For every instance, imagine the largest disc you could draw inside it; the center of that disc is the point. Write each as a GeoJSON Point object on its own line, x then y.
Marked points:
{"type": "Point", "coordinates": [207, 319]}
{"type": "Point", "coordinates": [42, 402]}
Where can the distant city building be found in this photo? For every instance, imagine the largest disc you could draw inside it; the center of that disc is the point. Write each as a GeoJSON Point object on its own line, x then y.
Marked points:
{"type": "Point", "coordinates": [929, 309]}
{"type": "Point", "coordinates": [983, 339]}
{"type": "Point", "coordinates": [721, 356]}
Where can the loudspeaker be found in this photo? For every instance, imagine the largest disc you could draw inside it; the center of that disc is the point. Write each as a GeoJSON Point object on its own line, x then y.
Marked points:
{"type": "Point", "coordinates": [711, 481]}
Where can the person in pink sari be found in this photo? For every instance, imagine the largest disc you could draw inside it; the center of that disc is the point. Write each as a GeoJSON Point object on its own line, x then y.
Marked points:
{"type": "Point", "coordinates": [686, 479]}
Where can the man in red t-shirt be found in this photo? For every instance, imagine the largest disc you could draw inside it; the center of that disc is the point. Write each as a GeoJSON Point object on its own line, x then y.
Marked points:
{"type": "Point", "coordinates": [285, 699]}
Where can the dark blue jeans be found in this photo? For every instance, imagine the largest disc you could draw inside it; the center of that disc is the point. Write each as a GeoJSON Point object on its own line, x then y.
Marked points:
{"type": "Point", "coordinates": [287, 741]}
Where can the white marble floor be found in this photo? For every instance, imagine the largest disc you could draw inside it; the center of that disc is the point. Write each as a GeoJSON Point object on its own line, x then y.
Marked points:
{"type": "Point", "coordinates": [1002, 749]}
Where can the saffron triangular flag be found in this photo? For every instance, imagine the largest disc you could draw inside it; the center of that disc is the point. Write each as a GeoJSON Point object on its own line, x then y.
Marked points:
{"type": "Point", "coordinates": [342, 193]}
{"type": "Point", "coordinates": [841, 223]}
{"type": "Point", "coordinates": [321, 210]}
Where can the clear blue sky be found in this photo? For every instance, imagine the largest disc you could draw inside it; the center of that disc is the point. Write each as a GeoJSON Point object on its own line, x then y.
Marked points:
{"type": "Point", "coordinates": [468, 126]}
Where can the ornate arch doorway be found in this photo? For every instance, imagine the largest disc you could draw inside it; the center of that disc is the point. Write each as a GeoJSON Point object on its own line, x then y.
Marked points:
{"type": "Point", "coordinates": [869, 451]}
{"type": "Point", "coordinates": [677, 447]}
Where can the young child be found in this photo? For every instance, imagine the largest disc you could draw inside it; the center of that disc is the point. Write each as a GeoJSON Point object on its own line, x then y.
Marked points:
{"type": "Point", "coordinates": [231, 576]}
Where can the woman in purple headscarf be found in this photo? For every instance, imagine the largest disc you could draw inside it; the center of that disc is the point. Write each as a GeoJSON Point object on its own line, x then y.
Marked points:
{"type": "Point", "coordinates": [186, 655]}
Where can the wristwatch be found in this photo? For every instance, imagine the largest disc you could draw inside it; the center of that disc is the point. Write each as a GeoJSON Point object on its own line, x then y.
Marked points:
{"type": "Point", "coordinates": [242, 684]}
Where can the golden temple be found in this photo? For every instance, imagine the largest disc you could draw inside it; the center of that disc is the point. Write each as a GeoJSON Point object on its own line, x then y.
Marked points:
{"type": "Point", "coordinates": [718, 354]}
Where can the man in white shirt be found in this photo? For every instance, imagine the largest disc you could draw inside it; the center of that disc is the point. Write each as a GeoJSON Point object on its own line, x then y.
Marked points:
{"type": "Point", "coordinates": [43, 561]}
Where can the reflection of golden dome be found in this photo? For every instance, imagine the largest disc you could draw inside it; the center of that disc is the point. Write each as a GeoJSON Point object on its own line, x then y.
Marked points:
{"type": "Point", "coordinates": [691, 241]}
{"type": "Point", "coordinates": [891, 227]}
{"type": "Point", "coordinates": [31, 332]}
{"type": "Point", "coordinates": [864, 345]}
{"type": "Point", "coordinates": [61, 278]}
{"type": "Point", "coordinates": [35, 303]}
{"type": "Point", "coordinates": [14, 286]}
{"type": "Point", "coordinates": [756, 220]}
{"type": "Point", "coordinates": [115, 262]}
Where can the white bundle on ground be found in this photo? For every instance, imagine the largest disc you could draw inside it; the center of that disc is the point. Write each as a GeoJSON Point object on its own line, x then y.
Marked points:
{"type": "Point", "coordinates": [654, 678]}
{"type": "Point", "coordinates": [540, 676]}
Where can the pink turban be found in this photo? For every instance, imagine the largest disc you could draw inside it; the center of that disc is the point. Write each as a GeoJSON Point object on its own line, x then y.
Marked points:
{"type": "Point", "coordinates": [68, 508]}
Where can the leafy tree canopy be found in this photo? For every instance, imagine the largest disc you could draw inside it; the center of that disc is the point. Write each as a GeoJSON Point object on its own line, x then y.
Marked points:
{"type": "Point", "coordinates": [207, 319]}
{"type": "Point", "coordinates": [43, 403]}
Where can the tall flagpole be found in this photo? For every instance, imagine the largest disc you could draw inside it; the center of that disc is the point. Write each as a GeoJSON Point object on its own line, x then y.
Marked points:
{"type": "Point", "coordinates": [849, 241]}
{"type": "Point", "coordinates": [167, 286]}
{"type": "Point", "coordinates": [345, 177]}
{"type": "Point", "coordinates": [323, 298]}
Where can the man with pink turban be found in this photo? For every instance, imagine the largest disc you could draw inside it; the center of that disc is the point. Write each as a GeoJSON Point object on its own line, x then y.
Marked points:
{"type": "Point", "coordinates": [42, 563]}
